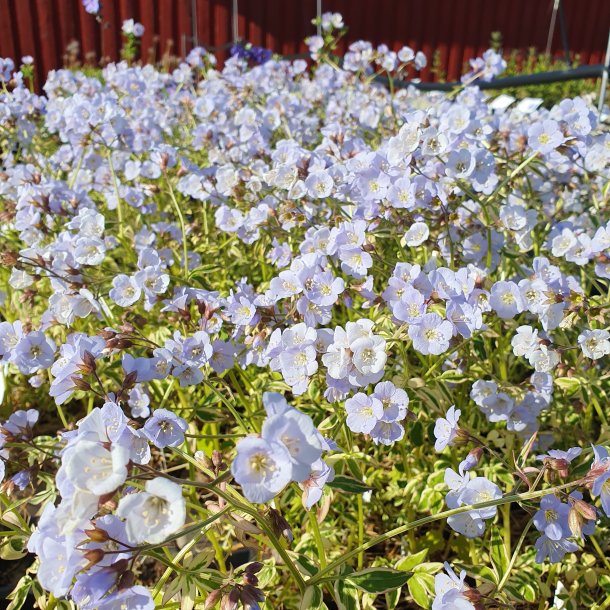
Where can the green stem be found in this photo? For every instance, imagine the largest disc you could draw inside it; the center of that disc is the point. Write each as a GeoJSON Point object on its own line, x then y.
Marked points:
{"type": "Point", "coordinates": [398, 531]}
{"type": "Point", "coordinates": [119, 208]}
{"type": "Point", "coordinates": [313, 520]}
{"type": "Point", "coordinates": [182, 226]}
{"type": "Point", "coordinates": [513, 559]}
{"type": "Point", "coordinates": [360, 531]}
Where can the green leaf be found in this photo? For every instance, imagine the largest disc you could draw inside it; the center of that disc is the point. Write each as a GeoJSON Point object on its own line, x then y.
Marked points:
{"type": "Point", "coordinates": [347, 596]}
{"type": "Point", "coordinates": [312, 599]}
{"type": "Point", "coordinates": [348, 484]}
{"type": "Point", "coordinates": [499, 556]}
{"type": "Point", "coordinates": [452, 377]}
{"type": "Point", "coordinates": [377, 580]}
{"type": "Point", "coordinates": [417, 434]}
{"type": "Point", "coordinates": [412, 561]}
{"type": "Point", "coordinates": [20, 593]}
{"type": "Point", "coordinates": [420, 589]}
{"type": "Point", "coordinates": [428, 567]}
{"type": "Point", "coordinates": [569, 384]}
{"type": "Point", "coordinates": [392, 598]}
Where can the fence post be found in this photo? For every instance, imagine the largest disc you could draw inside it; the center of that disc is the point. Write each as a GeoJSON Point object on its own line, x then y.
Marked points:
{"type": "Point", "coordinates": [549, 40]}
{"type": "Point", "coordinates": [234, 21]}
{"type": "Point", "coordinates": [604, 83]}
{"type": "Point", "coordinates": [194, 20]}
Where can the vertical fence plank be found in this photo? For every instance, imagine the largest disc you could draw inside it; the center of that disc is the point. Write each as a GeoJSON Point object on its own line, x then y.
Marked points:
{"type": "Point", "coordinates": [459, 29]}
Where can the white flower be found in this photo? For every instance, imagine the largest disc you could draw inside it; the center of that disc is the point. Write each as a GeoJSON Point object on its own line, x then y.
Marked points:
{"type": "Point", "coordinates": [417, 234]}
{"type": "Point", "coordinates": [92, 467]}
{"type": "Point", "coordinates": [594, 343]}
{"type": "Point", "coordinates": [155, 513]}
{"type": "Point", "coordinates": [544, 359]}
{"type": "Point", "coordinates": [525, 341]}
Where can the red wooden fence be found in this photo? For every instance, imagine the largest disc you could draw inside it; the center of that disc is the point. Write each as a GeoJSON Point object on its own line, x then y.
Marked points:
{"type": "Point", "coordinates": [458, 29]}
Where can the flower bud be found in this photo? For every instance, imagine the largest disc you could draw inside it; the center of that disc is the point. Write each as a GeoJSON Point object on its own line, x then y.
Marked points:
{"type": "Point", "coordinates": [130, 380]}
{"type": "Point", "coordinates": [280, 526]}
{"type": "Point", "coordinates": [250, 596]}
{"type": "Point", "coordinates": [127, 580]}
{"type": "Point", "coordinates": [254, 567]}
{"type": "Point", "coordinates": [559, 465]}
{"type": "Point", "coordinates": [120, 566]}
{"type": "Point", "coordinates": [212, 599]}
{"type": "Point", "coordinates": [250, 578]}
{"type": "Point", "coordinates": [9, 259]}
{"type": "Point", "coordinates": [230, 601]}
{"type": "Point", "coordinates": [586, 510]}
{"type": "Point", "coordinates": [107, 334]}
{"type": "Point", "coordinates": [575, 522]}
{"type": "Point", "coordinates": [80, 383]}
{"type": "Point", "coordinates": [97, 535]}
{"type": "Point", "coordinates": [88, 365]}
{"type": "Point", "coordinates": [93, 557]}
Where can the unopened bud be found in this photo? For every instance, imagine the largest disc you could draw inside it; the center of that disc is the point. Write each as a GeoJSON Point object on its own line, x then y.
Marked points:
{"type": "Point", "coordinates": [80, 383]}
{"type": "Point", "coordinates": [575, 522]}
{"type": "Point", "coordinates": [107, 334]}
{"type": "Point", "coordinates": [127, 580]}
{"type": "Point", "coordinates": [9, 259]}
{"type": "Point", "coordinates": [250, 596]}
{"type": "Point", "coordinates": [254, 567]}
{"type": "Point", "coordinates": [559, 465]}
{"type": "Point", "coordinates": [118, 343]}
{"type": "Point", "coordinates": [218, 461]}
{"type": "Point", "coordinates": [93, 557]}
{"type": "Point", "coordinates": [130, 380]}
{"type": "Point", "coordinates": [212, 599]}
{"type": "Point", "coordinates": [586, 510]}
{"type": "Point", "coordinates": [89, 362]}
{"type": "Point", "coordinates": [230, 601]}
{"type": "Point", "coordinates": [120, 566]}
{"type": "Point", "coordinates": [280, 526]}
{"type": "Point", "coordinates": [250, 578]}
{"type": "Point", "coordinates": [97, 535]}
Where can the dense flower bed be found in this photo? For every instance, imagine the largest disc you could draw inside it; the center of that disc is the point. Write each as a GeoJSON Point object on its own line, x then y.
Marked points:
{"type": "Point", "coordinates": [354, 330]}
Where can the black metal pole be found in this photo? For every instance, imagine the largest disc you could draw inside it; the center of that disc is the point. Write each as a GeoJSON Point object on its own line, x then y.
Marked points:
{"type": "Point", "coordinates": [564, 32]}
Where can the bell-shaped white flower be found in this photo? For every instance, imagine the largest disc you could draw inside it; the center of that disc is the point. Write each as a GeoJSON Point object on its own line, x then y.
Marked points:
{"type": "Point", "coordinates": [92, 467]}
{"type": "Point", "coordinates": [155, 513]}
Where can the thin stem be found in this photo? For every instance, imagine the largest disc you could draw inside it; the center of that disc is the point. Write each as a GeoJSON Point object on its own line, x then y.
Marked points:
{"type": "Point", "coordinates": [313, 520]}
{"type": "Point", "coordinates": [513, 559]}
{"type": "Point", "coordinates": [398, 531]}
{"type": "Point", "coordinates": [182, 226]}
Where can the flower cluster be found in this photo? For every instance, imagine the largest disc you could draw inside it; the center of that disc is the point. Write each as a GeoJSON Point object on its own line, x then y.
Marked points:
{"type": "Point", "coordinates": [381, 269]}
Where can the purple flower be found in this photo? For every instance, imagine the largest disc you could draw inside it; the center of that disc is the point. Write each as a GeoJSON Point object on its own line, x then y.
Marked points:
{"type": "Point", "coordinates": [552, 518]}
{"type": "Point", "coordinates": [431, 334]}
{"type": "Point", "coordinates": [544, 136]}
{"type": "Point", "coordinates": [506, 299]}
{"type": "Point", "coordinates": [395, 401]}
{"type": "Point", "coordinates": [555, 550]}
{"type": "Point", "coordinates": [363, 412]}
{"type": "Point", "coordinates": [446, 428]}
{"type": "Point", "coordinates": [387, 433]}
{"type": "Point", "coordinates": [558, 454]}
{"type": "Point", "coordinates": [133, 598]}
{"type": "Point", "coordinates": [34, 351]}
{"type": "Point", "coordinates": [262, 468]}
{"type": "Point", "coordinates": [450, 591]}
{"type": "Point", "coordinates": [92, 6]}
{"type": "Point", "coordinates": [601, 488]}
{"type": "Point", "coordinates": [321, 473]}
{"type": "Point", "coordinates": [165, 429]}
